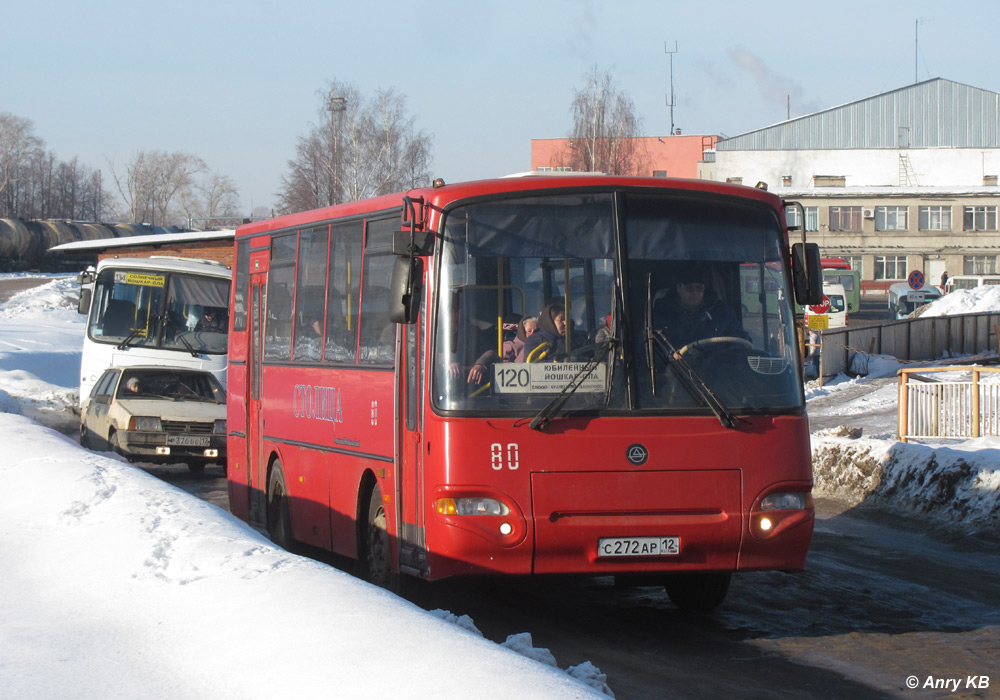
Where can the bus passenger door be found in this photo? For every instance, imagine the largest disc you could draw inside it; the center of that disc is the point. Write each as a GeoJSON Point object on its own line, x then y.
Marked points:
{"type": "Point", "coordinates": [409, 466]}
{"type": "Point", "coordinates": [256, 471]}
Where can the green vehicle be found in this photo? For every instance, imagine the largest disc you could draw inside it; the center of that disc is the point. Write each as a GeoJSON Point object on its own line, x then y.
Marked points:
{"type": "Point", "coordinates": [851, 282]}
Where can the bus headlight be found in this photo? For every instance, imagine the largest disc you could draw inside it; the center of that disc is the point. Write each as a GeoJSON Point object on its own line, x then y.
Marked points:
{"type": "Point", "coordinates": [146, 424]}
{"type": "Point", "coordinates": [784, 501]}
{"type": "Point", "coordinates": [778, 511]}
{"type": "Point", "coordinates": [471, 506]}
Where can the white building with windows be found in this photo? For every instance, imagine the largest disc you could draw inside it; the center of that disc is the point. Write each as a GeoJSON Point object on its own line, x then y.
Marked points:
{"type": "Point", "coordinates": [902, 181]}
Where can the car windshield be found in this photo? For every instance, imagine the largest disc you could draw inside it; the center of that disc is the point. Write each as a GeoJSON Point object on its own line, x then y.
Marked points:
{"type": "Point", "coordinates": [579, 296]}
{"type": "Point", "coordinates": [170, 384]}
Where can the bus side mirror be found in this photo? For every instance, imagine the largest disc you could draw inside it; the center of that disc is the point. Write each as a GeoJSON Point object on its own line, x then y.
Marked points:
{"type": "Point", "coordinates": [404, 290]}
{"type": "Point", "coordinates": [807, 274]}
{"type": "Point", "coordinates": [83, 305]}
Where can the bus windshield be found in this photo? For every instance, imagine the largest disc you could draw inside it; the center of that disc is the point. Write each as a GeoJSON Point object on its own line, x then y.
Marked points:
{"type": "Point", "coordinates": [613, 302]}
{"type": "Point", "coordinates": [157, 309]}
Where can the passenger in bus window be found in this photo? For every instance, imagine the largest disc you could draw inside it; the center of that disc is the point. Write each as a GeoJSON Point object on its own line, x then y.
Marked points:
{"type": "Point", "coordinates": [551, 331]}
{"type": "Point", "coordinates": [513, 350]}
{"type": "Point", "coordinates": [692, 312]}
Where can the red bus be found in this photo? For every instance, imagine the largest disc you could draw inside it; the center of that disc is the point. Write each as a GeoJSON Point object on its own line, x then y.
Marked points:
{"type": "Point", "coordinates": [377, 407]}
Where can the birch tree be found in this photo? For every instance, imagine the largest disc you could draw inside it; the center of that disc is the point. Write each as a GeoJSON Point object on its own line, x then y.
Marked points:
{"type": "Point", "coordinates": [362, 147]}
{"type": "Point", "coordinates": [605, 134]}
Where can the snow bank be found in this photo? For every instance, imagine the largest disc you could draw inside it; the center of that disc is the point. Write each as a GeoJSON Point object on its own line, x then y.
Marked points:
{"type": "Point", "coordinates": [956, 486]}
{"type": "Point", "coordinates": [118, 585]}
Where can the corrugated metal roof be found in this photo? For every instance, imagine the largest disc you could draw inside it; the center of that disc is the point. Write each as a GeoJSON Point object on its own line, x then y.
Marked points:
{"type": "Point", "coordinates": [937, 113]}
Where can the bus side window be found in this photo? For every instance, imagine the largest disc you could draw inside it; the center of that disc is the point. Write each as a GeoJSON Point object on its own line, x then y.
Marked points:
{"type": "Point", "coordinates": [344, 292]}
{"type": "Point", "coordinates": [377, 333]}
{"type": "Point", "coordinates": [278, 342]}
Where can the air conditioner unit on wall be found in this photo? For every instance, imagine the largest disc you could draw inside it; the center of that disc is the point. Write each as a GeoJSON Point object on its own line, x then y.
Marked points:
{"type": "Point", "coordinates": [868, 213]}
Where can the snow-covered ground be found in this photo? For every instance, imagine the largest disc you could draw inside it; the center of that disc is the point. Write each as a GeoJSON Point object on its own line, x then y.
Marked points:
{"type": "Point", "coordinates": [116, 584]}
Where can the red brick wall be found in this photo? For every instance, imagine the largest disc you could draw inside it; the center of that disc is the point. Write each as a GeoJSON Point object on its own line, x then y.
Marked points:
{"type": "Point", "coordinates": [208, 250]}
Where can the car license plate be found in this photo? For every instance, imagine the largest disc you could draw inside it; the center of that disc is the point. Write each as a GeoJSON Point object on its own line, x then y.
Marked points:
{"type": "Point", "coordinates": [638, 546]}
{"type": "Point", "coordinates": [188, 440]}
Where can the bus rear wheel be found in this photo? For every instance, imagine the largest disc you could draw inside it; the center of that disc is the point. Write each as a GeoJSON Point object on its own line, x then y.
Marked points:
{"type": "Point", "coordinates": [699, 592]}
{"type": "Point", "coordinates": [375, 565]}
{"type": "Point", "coordinates": [279, 525]}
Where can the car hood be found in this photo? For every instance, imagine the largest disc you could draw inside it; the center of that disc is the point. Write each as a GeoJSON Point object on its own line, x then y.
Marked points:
{"type": "Point", "coordinates": [173, 410]}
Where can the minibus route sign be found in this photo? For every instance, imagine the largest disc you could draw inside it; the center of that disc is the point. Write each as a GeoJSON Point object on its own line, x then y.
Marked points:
{"type": "Point", "coordinates": [544, 377]}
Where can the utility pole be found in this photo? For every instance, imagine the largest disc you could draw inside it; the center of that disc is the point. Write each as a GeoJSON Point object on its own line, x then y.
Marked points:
{"type": "Point", "coordinates": [671, 100]}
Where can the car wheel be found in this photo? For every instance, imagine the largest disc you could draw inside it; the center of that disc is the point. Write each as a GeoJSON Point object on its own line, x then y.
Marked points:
{"type": "Point", "coordinates": [113, 443]}
{"type": "Point", "coordinates": [85, 437]}
{"type": "Point", "coordinates": [279, 522]}
{"type": "Point", "coordinates": [698, 592]}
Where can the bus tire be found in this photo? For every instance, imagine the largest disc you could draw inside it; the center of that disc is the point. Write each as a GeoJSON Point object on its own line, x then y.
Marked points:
{"type": "Point", "coordinates": [196, 467]}
{"type": "Point", "coordinates": [699, 592]}
{"type": "Point", "coordinates": [279, 521]}
{"type": "Point", "coordinates": [375, 565]}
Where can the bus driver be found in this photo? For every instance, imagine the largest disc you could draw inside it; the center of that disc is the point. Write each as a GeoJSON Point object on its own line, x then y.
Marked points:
{"type": "Point", "coordinates": [692, 313]}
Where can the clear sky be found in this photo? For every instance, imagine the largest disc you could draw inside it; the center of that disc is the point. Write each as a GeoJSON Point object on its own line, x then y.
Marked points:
{"type": "Point", "coordinates": [237, 82]}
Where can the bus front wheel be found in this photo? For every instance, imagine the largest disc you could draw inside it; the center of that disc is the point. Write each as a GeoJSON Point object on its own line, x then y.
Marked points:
{"type": "Point", "coordinates": [699, 592]}
{"type": "Point", "coordinates": [279, 526]}
{"type": "Point", "coordinates": [376, 567]}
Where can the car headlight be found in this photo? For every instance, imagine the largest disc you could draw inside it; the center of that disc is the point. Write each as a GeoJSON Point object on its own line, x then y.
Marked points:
{"type": "Point", "coordinates": [220, 427]}
{"type": "Point", "coordinates": [148, 424]}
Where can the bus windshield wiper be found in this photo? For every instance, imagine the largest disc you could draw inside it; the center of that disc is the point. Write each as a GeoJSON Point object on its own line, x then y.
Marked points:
{"type": "Point", "coordinates": [552, 408]}
{"type": "Point", "coordinates": [691, 380]}
{"type": "Point", "coordinates": [129, 338]}
{"type": "Point", "coordinates": [177, 334]}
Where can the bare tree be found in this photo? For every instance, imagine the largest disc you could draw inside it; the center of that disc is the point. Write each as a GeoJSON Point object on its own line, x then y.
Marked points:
{"type": "Point", "coordinates": [18, 145]}
{"type": "Point", "coordinates": [153, 182]}
{"type": "Point", "coordinates": [361, 148]}
{"type": "Point", "coordinates": [605, 135]}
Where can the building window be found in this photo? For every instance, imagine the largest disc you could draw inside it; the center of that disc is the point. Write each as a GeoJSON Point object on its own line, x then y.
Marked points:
{"type": "Point", "coordinates": [544, 169]}
{"type": "Point", "coordinates": [812, 218]}
{"type": "Point", "coordinates": [845, 218]}
{"type": "Point", "coordinates": [659, 173]}
{"type": "Point", "coordinates": [564, 169]}
{"type": "Point", "coordinates": [890, 267]}
{"type": "Point", "coordinates": [979, 219]}
{"type": "Point", "coordinates": [794, 220]}
{"type": "Point", "coordinates": [854, 261]}
{"type": "Point", "coordinates": [979, 265]}
{"type": "Point", "coordinates": [734, 180]}
{"type": "Point", "coordinates": [786, 180]}
{"type": "Point", "coordinates": [934, 218]}
{"type": "Point", "coordinates": [891, 218]}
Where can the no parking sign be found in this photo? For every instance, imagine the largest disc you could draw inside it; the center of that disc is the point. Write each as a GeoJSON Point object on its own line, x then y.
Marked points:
{"type": "Point", "coordinates": [915, 279]}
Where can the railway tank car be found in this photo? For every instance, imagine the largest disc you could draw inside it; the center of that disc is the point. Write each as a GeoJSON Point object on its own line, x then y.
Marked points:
{"type": "Point", "coordinates": [24, 245]}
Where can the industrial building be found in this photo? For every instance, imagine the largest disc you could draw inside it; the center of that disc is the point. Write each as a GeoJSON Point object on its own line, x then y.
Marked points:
{"type": "Point", "coordinates": [901, 181]}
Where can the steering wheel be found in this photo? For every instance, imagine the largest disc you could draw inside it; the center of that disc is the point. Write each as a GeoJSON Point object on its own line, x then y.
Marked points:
{"type": "Point", "coordinates": [698, 344]}
{"type": "Point", "coordinates": [540, 352]}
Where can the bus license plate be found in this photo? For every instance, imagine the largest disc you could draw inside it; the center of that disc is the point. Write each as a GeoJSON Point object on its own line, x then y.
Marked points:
{"type": "Point", "coordinates": [188, 440]}
{"type": "Point", "coordinates": [638, 546]}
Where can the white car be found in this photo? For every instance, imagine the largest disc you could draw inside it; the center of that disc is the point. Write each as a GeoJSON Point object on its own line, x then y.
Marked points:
{"type": "Point", "coordinates": [157, 414]}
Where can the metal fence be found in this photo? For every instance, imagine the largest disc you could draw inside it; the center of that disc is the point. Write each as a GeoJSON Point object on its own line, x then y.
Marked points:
{"type": "Point", "coordinates": [910, 339]}
{"type": "Point", "coordinates": [948, 408]}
